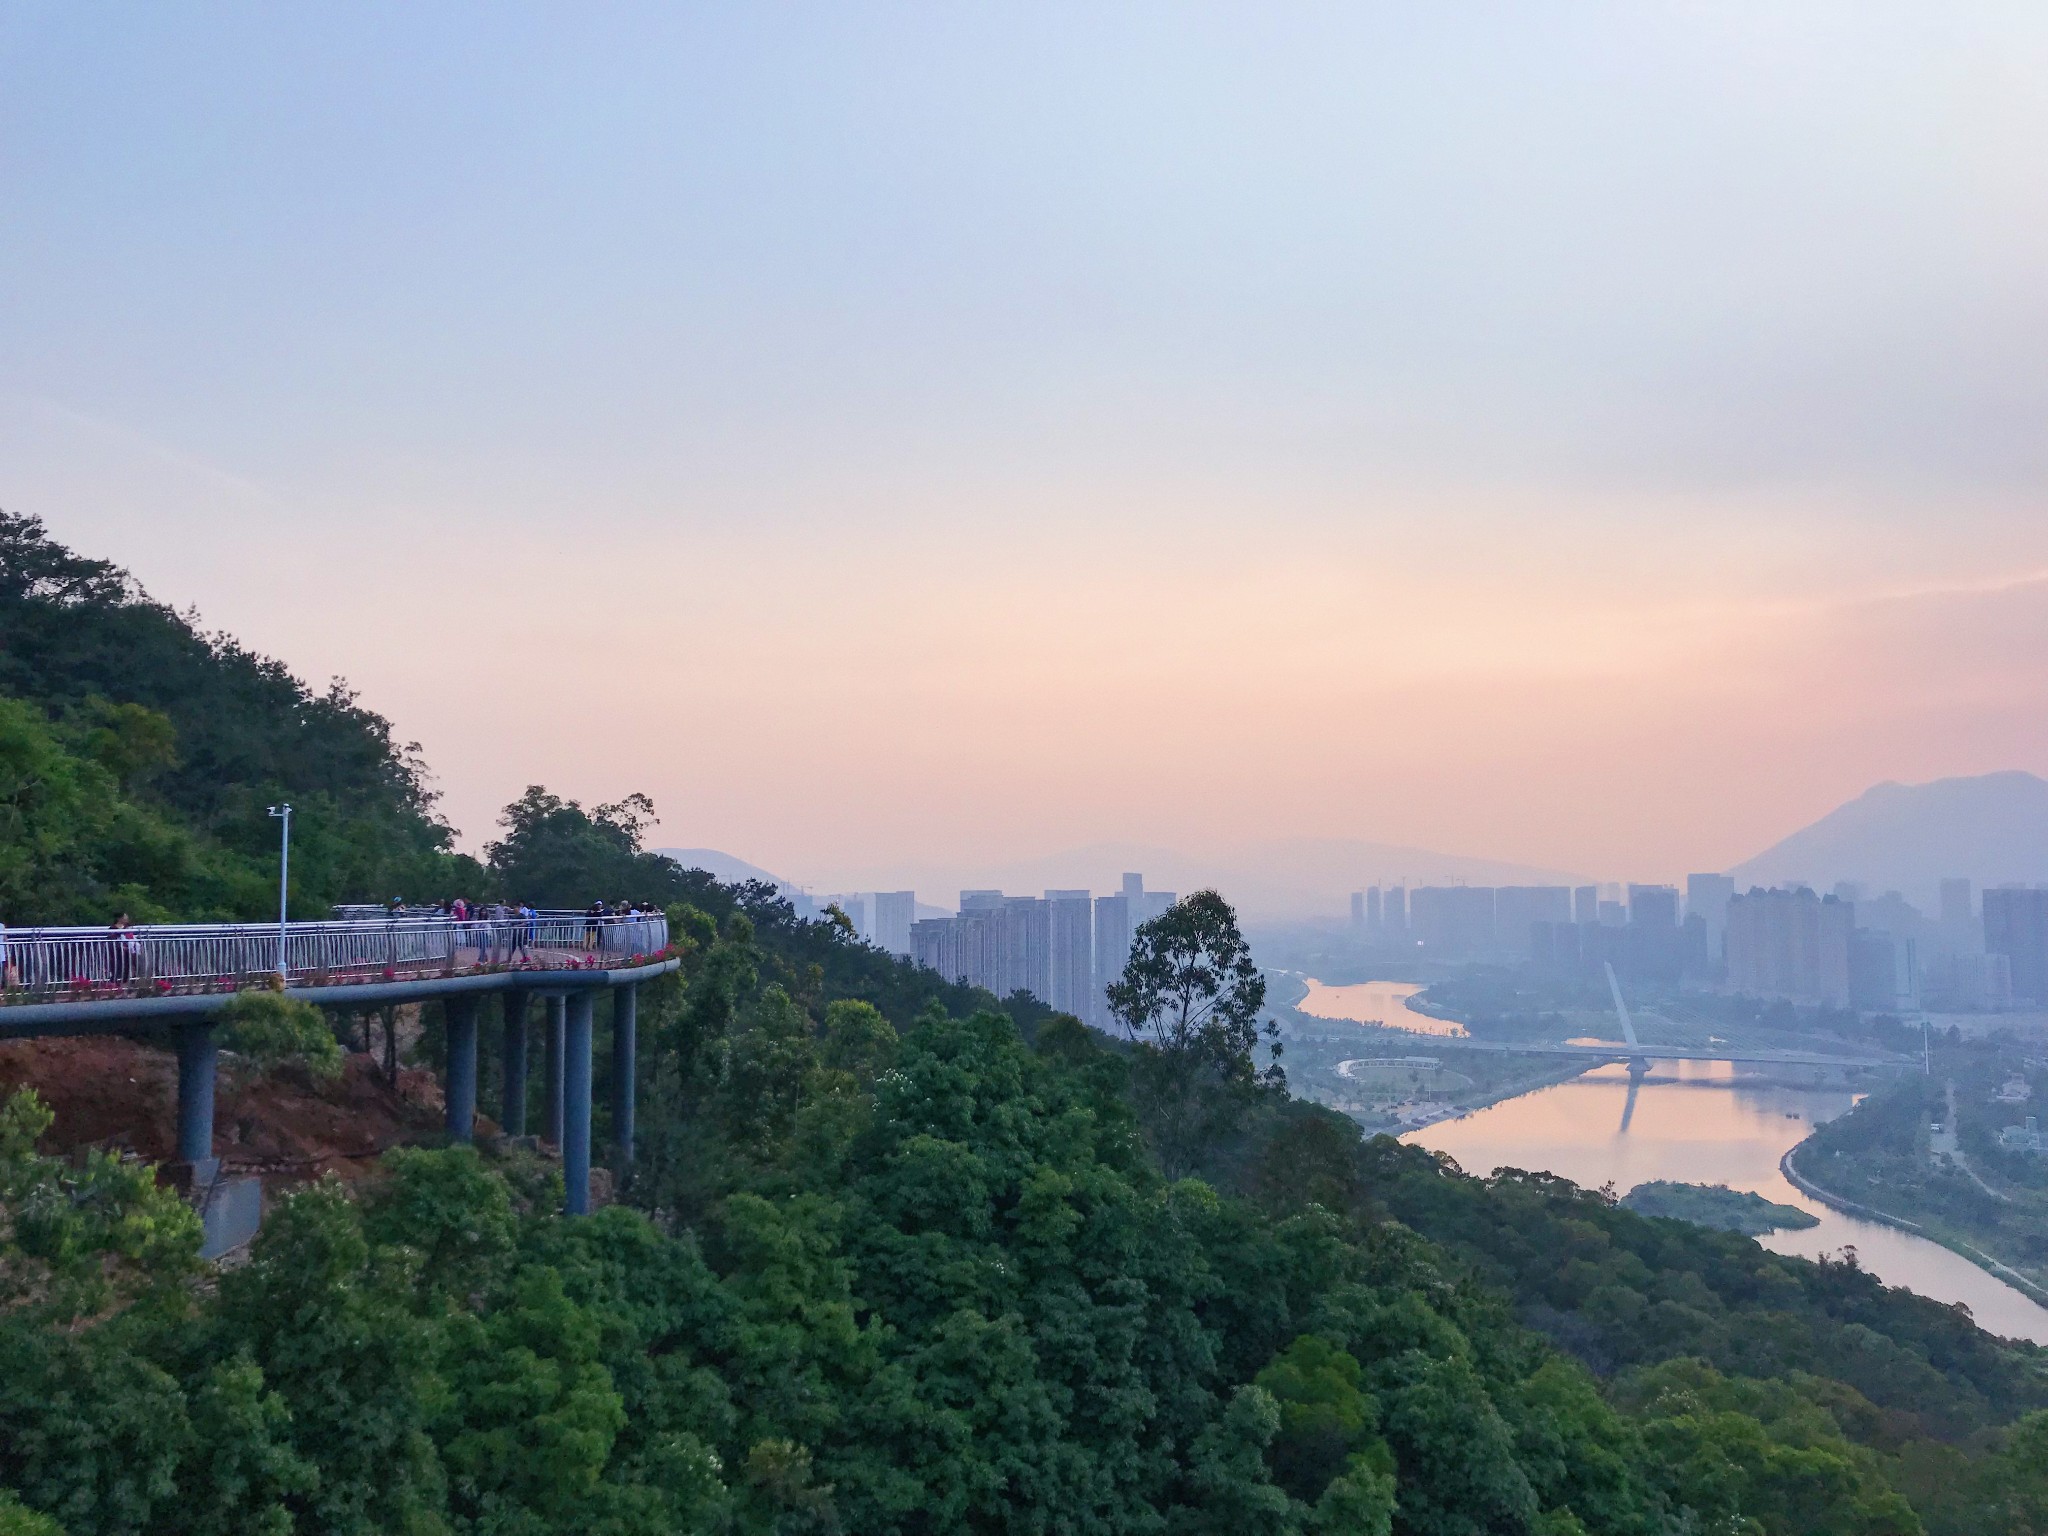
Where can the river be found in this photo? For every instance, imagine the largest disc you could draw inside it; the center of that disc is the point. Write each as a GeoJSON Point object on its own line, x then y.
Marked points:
{"type": "Point", "coordinates": [1700, 1125]}
{"type": "Point", "coordinates": [1372, 1002]}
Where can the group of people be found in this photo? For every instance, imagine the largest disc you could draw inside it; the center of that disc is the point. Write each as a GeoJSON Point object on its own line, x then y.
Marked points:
{"type": "Point", "coordinates": [502, 932]}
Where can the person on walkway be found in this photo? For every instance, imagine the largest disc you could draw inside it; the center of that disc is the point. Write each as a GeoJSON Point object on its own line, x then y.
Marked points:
{"type": "Point", "coordinates": [127, 948]}
{"type": "Point", "coordinates": [593, 920]}
{"type": "Point", "coordinates": [518, 932]}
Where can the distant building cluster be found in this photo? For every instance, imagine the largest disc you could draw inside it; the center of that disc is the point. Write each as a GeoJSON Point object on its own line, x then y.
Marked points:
{"type": "Point", "coordinates": [1567, 929]}
{"type": "Point", "coordinates": [1064, 948]}
{"type": "Point", "coordinates": [1843, 949]}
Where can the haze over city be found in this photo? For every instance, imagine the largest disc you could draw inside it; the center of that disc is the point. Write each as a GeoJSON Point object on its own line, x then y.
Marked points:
{"type": "Point", "coordinates": [1588, 438]}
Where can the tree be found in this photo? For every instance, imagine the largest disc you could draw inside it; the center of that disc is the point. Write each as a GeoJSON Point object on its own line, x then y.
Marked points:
{"type": "Point", "coordinates": [1190, 985]}
{"type": "Point", "coordinates": [556, 854]}
{"type": "Point", "coordinates": [1190, 995]}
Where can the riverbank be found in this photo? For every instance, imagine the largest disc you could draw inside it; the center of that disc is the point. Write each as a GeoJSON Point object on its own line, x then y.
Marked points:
{"type": "Point", "coordinates": [1481, 1098]}
{"type": "Point", "coordinates": [1956, 1246]}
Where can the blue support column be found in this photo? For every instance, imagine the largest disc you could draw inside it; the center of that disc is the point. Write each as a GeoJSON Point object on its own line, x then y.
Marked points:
{"type": "Point", "coordinates": [512, 1111]}
{"type": "Point", "coordinates": [576, 1105]}
{"type": "Point", "coordinates": [625, 1052]}
{"type": "Point", "coordinates": [196, 1058]}
{"type": "Point", "coordinates": [461, 1093]}
{"type": "Point", "coordinates": [551, 1084]}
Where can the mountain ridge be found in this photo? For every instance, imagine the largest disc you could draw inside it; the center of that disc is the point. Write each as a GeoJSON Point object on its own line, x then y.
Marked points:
{"type": "Point", "coordinates": [1990, 828]}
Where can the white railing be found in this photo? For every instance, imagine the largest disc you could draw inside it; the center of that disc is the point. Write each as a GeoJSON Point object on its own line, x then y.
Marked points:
{"type": "Point", "coordinates": [39, 963]}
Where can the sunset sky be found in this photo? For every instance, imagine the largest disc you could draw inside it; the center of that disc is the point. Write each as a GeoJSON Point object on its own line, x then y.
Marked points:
{"type": "Point", "coordinates": [1598, 436]}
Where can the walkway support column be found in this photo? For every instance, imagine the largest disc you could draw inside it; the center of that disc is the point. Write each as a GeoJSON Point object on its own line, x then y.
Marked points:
{"type": "Point", "coordinates": [197, 1055]}
{"type": "Point", "coordinates": [461, 1091]}
{"type": "Point", "coordinates": [551, 1085]}
{"type": "Point", "coordinates": [625, 1052]}
{"type": "Point", "coordinates": [512, 1112]}
{"type": "Point", "coordinates": [576, 1105]}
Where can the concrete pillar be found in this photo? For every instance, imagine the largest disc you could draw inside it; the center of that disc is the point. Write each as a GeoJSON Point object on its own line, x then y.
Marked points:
{"type": "Point", "coordinates": [512, 1112]}
{"type": "Point", "coordinates": [196, 1058]}
{"type": "Point", "coordinates": [576, 1104]}
{"type": "Point", "coordinates": [551, 1084]}
{"type": "Point", "coordinates": [625, 1033]}
{"type": "Point", "coordinates": [461, 1083]}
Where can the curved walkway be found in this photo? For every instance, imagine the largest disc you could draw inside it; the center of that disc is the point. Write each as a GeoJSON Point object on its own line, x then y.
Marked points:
{"type": "Point", "coordinates": [68, 981]}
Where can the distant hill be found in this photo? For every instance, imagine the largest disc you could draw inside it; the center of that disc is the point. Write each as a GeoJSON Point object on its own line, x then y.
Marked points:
{"type": "Point", "coordinates": [724, 867]}
{"type": "Point", "coordinates": [736, 871]}
{"type": "Point", "coordinates": [1907, 837]}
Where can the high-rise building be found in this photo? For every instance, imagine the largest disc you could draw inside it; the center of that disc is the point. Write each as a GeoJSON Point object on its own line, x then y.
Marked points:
{"type": "Point", "coordinates": [1453, 920]}
{"type": "Point", "coordinates": [1358, 910]}
{"type": "Point", "coordinates": [1585, 904]}
{"type": "Point", "coordinates": [979, 940]}
{"type": "Point", "coordinates": [1394, 912]}
{"type": "Point", "coordinates": [1957, 910]}
{"type": "Point", "coordinates": [1372, 910]}
{"type": "Point", "coordinates": [1707, 897]}
{"type": "Point", "coordinates": [1790, 944]}
{"type": "Point", "coordinates": [1959, 933]}
{"type": "Point", "coordinates": [1653, 906]}
{"type": "Point", "coordinates": [1876, 975]}
{"type": "Point", "coordinates": [1026, 947]}
{"type": "Point", "coordinates": [895, 911]}
{"type": "Point", "coordinates": [1112, 951]}
{"type": "Point", "coordinates": [1517, 909]}
{"type": "Point", "coordinates": [1980, 981]}
{"type": "Point", "coordinates": [2016, 926]}
{"type": "Point", "coordinates": [935, 945]}
{"type": "Point", "coordinates": [980, 901]}
{"type": "Point", "coordinates": [1070, 921]}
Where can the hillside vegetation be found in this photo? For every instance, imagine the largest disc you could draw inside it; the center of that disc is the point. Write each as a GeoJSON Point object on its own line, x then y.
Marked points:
{"type": "Point", "coordinates": [900, 1257]}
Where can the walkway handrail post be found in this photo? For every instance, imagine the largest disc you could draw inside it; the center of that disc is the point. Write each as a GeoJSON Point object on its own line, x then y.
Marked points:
{"type": "Point", "coordinates": [283, 812]}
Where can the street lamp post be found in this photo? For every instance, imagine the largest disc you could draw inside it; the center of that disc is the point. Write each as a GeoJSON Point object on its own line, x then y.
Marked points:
{"type": "Point", "coordinates": [283, 813]}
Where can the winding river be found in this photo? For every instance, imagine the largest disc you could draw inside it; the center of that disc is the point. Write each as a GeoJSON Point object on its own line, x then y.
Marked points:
{"type": "Point", "coordinates": [1698, 1123]}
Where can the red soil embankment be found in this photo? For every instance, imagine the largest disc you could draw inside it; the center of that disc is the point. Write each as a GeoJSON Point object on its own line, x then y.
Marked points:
{"type": "Point", "coordinates": [287, 1126]}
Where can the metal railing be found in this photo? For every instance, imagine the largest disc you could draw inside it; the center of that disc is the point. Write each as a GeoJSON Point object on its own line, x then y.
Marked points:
{"type": "Point", "coordinates": [37, 964]}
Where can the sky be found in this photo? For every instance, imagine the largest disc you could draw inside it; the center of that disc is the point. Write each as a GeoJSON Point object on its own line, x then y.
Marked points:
{"type": "Point", "coordinates": [1603, 437]}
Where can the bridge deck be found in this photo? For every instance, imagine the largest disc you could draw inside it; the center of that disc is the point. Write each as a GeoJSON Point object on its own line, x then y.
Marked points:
{"type": "Point", "coordinates": [1650, 1051]}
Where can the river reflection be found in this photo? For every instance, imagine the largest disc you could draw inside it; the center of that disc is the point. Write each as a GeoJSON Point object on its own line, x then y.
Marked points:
{"type": "Point", "coordinates": [1372, 1002]}
{"type": "Point", "coordinates": [1691, 1124]}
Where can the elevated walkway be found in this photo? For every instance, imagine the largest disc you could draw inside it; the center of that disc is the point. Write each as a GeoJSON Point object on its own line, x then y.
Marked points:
{"type": "Point", "coordinates": [65, 981]}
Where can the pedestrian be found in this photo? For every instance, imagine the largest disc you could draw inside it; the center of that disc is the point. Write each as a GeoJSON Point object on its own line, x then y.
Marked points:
{"type": "Point", "coordinates": [518, 933]}
{"type": "Point", "coordinates": [127, 948]}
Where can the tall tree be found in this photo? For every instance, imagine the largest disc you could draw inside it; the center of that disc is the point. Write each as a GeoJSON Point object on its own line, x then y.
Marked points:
{"type": "Point", "coordinates": [1191, 996]}
{"type": "Point", "coordinates": [1191, 986]}
{"type": "Point", "coordinates": [556, 854]}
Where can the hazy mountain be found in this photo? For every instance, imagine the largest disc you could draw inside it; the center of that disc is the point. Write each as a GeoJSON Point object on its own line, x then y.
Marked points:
{"type": "Point", "coordinates": [1907, 837]}
{"type": "Point", "coordinates": [721, 866]}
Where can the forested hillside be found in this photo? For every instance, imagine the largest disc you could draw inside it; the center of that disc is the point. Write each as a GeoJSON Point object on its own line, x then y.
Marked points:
{"type": "Point", "coordinates": [138, 754]}
{"type": "Point", "coordinates": [900, 1257]}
